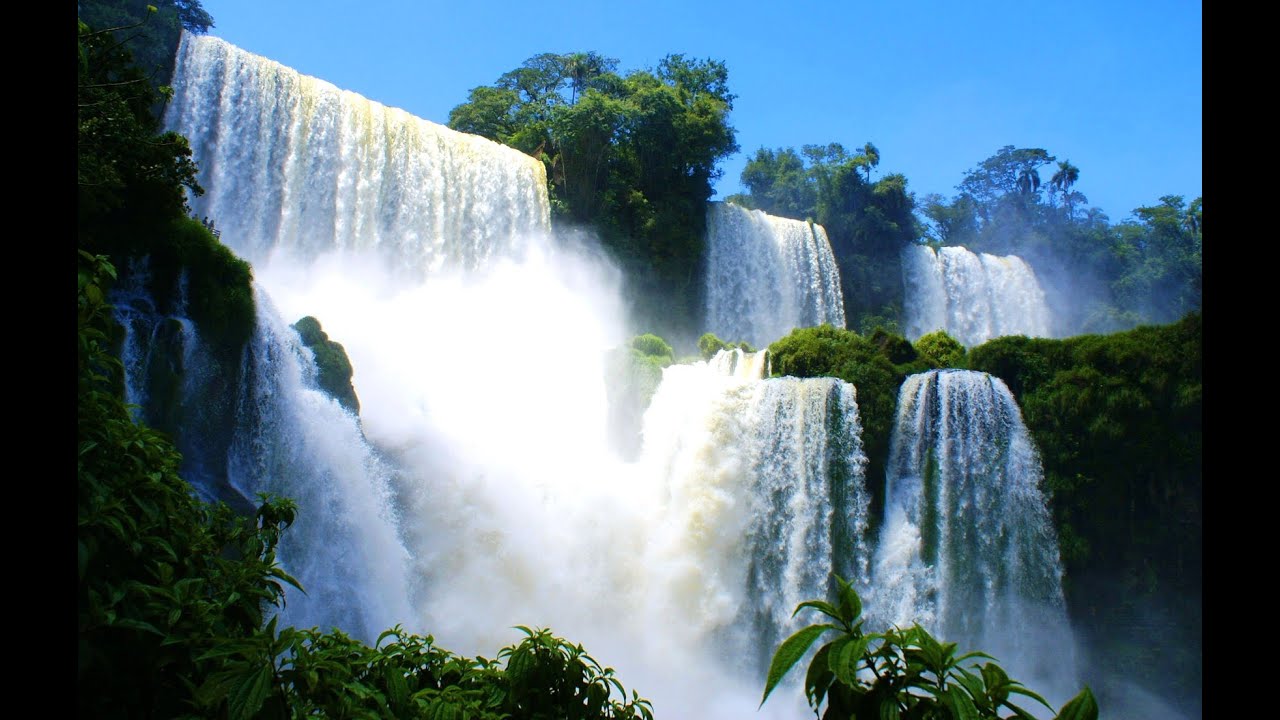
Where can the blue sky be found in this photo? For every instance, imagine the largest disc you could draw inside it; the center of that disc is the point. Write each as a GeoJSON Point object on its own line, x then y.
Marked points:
{"type": "Point", "coordinates": [1114, 87]}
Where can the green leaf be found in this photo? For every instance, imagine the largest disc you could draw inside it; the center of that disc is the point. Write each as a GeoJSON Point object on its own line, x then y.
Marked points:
{"type": "Point", "coordinates": [1023, 691]}
{"type": "Point", "coordinates": [822, 606]}
{"type": "Point", "coordinates": [850, 603]}
{"type": "Point", "coordinates": [1022, 714]}
{"type": "Point", "coordinates": [1081, 707]}
{"type": "Point", "coordinates": [961, 705]}
{"type": "Point", "coordinates": [136, 625]}
{"type": "Point", "coordinates": [844, 660]}
{"type": "Point", "coordinates": [819, 676]}
{"type": "Point", "coordinates": [246, 699]}
{"type": "Point", "coordinates": [889, 708]}
{"type": "Point", "coordinates": [788, 653]}
{"type": "Point", "coordinates": [975, 654]}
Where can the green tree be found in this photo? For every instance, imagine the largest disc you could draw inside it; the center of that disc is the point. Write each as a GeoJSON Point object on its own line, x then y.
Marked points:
{"type": "Point", "coordinates": [1063, 179]}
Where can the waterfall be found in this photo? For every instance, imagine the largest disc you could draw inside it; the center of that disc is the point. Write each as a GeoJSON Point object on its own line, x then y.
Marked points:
{"type": "Point", "coordinates": [172, 381]}
{"type": "Point", "coordinates": [974, 297]}
{"type": "Point", "coordinates": [767, 275]}
{"type": "Point", "coordinates": [967, 547]}
{"type": "Point", "coordinates": [292, 164]}
{"type": "Point", "coordinates": [477, 490]}
{"type": "Point", "coordinates": [762, 494]}
{"type": "Point", "coordinates": [295, 440]}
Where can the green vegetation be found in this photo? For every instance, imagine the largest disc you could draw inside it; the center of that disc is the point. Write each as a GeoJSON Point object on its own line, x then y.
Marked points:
{"type": "Point", "coordinates": [1118, 421]}
{"type": "Point", "coordinates": [709, 345]}
{"type": "Point", "coordinates": [149, 29]}
{"type": "Point", "coordinates": [131, 180]}
{"type": "Point", "coordinates": [940, 350]}
{"type": "Point", "coordinates": [332, 365]}
{"type": "Point", "coordinates": [174, 595]}
{"type": "Point", "coordinates": [868, 224]}
{"type": "Point", "coordinates": [900, 673]}
{"type": "Point", "coordinates": [632, 156]}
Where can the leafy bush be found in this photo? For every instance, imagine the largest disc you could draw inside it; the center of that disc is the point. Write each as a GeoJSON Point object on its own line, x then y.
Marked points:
{"type": "Point", "coordinates": [709, 345]}
{"type": "Point", "coordinates": [941, 350]}
{"type": "Point", "coordinates": [900, 673]}
{"type": "Point", "coordinates": [653, 346]}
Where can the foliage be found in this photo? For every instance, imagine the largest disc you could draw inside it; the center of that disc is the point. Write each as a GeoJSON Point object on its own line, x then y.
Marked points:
{"type": "Point", "coordinates": [941, 350]}
{"type": "Point", "coordinates": [333, 367]}
{"type": "Point", "coordinates": [149, 29]}
{"type": "Point", "coordinates": [162, 577]}
{"type": "Point", "coordinates": [1118, 422]}
{"type": "Point", "coordinates": [632, 156]}
{"type": "Point", "coordinates": [709, 345]}
{"type": "Point", "coordinates": [131, 184]}
{"type": "Point", "coordinates": [899, 673]}
{"type": "Point", "coordinates": [653, 346]}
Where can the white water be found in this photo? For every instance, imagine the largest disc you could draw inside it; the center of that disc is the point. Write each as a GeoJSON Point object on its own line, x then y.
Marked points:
{"type": "Point", "coordinates": [974, 297]}
{"type": "Point", "coordinates": [293, 164]}
{"type": "Point", "coordinates": [486, 494]}
{"type": "Point", "coordinates": [767, 275]}
{"type": "Point", "coordinates": [967, 548]}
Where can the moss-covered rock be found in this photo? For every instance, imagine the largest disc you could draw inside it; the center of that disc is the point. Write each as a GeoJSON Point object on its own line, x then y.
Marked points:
{"type": "Point", "coordinates": [333, 367]}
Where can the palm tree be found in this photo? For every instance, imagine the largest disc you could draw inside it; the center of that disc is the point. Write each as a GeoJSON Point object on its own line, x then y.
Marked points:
{"type": "Point", "coordinates": [1062, 181]}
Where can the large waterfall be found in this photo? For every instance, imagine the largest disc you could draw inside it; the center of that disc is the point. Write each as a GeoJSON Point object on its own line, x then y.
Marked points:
{"type": "Point", "coordinates": [478, 490]}
{"type": "Point", "coordinates": [967, 547]}
{"type": "Point", "coordinates": [291, 163]}
{"type": "Point", "coordinates": [767, 275]}
{"type": "Point", "coordinates": [974, 297]}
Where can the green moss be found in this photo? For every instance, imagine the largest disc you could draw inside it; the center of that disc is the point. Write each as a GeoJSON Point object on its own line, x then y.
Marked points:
{"type": "Point", "coordinates": [333, 367]}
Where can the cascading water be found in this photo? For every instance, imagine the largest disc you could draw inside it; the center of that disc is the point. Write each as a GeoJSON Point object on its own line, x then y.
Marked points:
{"type": "Point", "coordinates": [762, 495]}
{"type": "Point", "coordinates": [967, 548]}
{"type": "Point", "coordinates": [169, 376]}
{"type": "Point", "coordinates": [478, 490]}
{"type": "Point", "coordinates": [767, 275]}
{"type": "Point", "coordinates": [973, 297]}
{"type": "Point", "coordinates": [295, 440]}
{"type": "Point", "coordinates": [292, 164]}
{"type": "Point", "coordinates": [478, 346]}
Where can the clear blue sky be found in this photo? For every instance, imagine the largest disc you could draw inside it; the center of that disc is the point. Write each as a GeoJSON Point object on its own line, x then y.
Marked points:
{"type": "Point", "coordinates": [1114, 87]}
